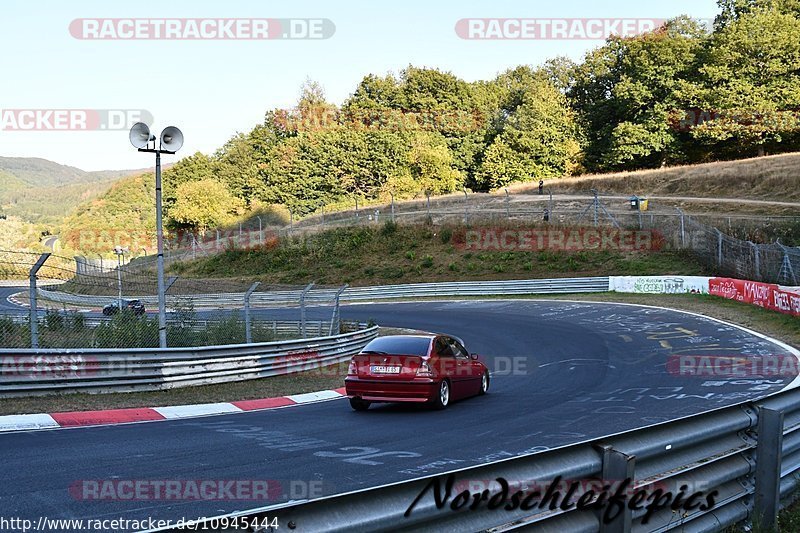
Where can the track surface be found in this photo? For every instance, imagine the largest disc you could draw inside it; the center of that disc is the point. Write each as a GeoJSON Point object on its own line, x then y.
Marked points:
{"type": "Point", "coordinates": [563, 372]}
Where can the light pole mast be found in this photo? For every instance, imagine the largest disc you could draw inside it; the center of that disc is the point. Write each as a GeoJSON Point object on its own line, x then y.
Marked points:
{"type": "Point", "coordinates": [170, 142]}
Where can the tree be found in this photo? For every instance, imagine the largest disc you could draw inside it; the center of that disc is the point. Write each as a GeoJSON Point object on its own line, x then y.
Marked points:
{"type": "Point", "coordinates": [750, 89]}
{"type": "Point", "coordinates": [204, 204]}
{"type": "Point", "coordinates": [196, 167]}
{"type": "Point", "coordinates": [626, 93]}
{"type": "Point", "coordinates": [538, 140]}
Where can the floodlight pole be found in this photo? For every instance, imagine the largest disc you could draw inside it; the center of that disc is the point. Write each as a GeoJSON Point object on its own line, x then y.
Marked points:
{"type": "Point", "coordinates": [162, 299]}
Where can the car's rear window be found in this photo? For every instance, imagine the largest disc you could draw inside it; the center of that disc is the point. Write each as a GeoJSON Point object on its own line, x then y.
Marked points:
{"type": "Point", "coordinates": [399, 345]}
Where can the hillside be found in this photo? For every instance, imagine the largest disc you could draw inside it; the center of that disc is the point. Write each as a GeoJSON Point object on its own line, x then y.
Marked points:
{"type": "Point", "coordinates": [766, 178]}
{"type": "Point", "coordinates": [407, 254]}
{"type": "Point", "coordinates": [41, 191]}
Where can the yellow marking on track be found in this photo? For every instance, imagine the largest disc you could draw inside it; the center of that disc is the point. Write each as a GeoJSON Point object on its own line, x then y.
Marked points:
{"type": "Point", "coordinates": [677, 333]}
{"type": "Point", "coordinates": [665, 344]}
{"type": "Point", "coordinates": [707, 348]}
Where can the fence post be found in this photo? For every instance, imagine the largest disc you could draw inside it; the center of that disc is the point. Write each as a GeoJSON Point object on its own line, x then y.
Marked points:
{"type": "Point", "coordinates": [756, 260]}
{"type": "Point", "coordinates": [248, 333]}
{"type": "Point", "coordinates": [335, 317]}
{"type": "Point", "coordinates": [466, 206]}
{"type": "Point", "coordinates": [392, 195]}
{"type": "Point", "coordinates": [32, 295]}
{"type": "Point", "coordinates": [768, 467]}
{"type": "Point", "coordinates": [617, 468]}
{"type": "Point", "coordinates": [508, 201]}
{"type": "Point", "coordinates": [428, 202]}
{"type": "Point", "coordinates": [719, 247]}
{"type": "Point", "coordinates": [303, 309]}
{"type": "Point", "coordinates": [683, 229]}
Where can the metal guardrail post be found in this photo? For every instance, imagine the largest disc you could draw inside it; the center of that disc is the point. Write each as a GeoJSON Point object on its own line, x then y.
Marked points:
{"type": "Point", "coordinates": [303, 309]}
{"type": "Point", "coordinates": [32, 295]}
{"type": "Point", "coordinates": [719, 247]}
{"type": "Point", "coordinates": [335, 318]}
{"type": "Point", "coordinates": [617, 468]}
{"type": "Point", "coordinates": [768, 467]}
{"type": "Point", "coordinates": [248, 334]}
{"type": "Point", "coordinates": [683, 229]}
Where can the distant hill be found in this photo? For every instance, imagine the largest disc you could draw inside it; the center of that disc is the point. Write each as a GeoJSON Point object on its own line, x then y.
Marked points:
{"type": "Point", "coordinates": [38, 190]}
{"type": "Point", "coordinates": [38, 172]}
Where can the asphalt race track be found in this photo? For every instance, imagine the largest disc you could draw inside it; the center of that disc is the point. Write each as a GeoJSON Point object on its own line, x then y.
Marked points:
{"type": "Point", "coordinates": [563, 372]}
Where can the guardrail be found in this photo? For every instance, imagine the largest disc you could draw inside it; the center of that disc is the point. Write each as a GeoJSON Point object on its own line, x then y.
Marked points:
{"type": "Point", "coordinates": [35, 372]}
{"type": "Point", "coordinates": [277, 327]}
{"type": "Point", "coordinates": [356, 294]}
{"type": "Point", "coordinates": [747, 457]}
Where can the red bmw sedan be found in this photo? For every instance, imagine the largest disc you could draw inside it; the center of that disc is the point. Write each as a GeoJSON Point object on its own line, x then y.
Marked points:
{"type": "Point", "coordinates": [432, 369]}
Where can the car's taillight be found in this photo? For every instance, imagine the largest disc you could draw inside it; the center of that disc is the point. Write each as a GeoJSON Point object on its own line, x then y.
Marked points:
{"type": "Point", "coordinates": [352, 370]}
{"type": "Point", "coordinates": [424, 370]}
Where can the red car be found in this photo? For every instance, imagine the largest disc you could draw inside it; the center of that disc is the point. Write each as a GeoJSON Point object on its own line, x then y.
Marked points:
{"type": "Point", "coordinates": [432, 369]}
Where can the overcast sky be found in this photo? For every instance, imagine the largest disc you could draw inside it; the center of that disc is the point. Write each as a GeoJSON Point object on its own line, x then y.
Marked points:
{"type": "Point", "coordinates": [212, 88]}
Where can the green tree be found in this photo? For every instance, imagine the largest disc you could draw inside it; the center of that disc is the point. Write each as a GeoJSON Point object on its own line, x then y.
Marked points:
{"type": "Point", "coordinates": [751, 83]}
{"type": "Point", "coordinates": [196, 167]}
{"type": "Point", "coordinates": [204, 204]}
{"type": "Point", "coordinates": [627, 91]}
{"type": "Point", "coordinates": [538, 139]}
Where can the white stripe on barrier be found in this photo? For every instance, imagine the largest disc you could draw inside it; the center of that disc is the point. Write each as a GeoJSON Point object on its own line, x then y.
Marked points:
{"type": "Point", "coordinates": [23, 422]}
{"type": "Point", "coordinates": [184, 411]}
{"type": "Point", "coordinates": [314, 396]}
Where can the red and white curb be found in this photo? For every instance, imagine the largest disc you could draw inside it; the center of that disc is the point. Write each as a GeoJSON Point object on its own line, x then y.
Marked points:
{"type": "Point", "coordinates": [148, 414]}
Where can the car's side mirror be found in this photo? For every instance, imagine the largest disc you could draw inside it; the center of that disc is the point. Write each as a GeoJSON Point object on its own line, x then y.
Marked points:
{"type": "Point", "coordinates": [473, 356]}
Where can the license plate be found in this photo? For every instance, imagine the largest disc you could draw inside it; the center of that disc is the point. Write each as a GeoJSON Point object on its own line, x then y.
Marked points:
{"type": "Point", "coordinates": [376, 369]}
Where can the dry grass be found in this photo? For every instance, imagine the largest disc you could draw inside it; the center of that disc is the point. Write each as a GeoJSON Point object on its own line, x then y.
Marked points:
{"type": "Point", "coordinates": [767, 178]}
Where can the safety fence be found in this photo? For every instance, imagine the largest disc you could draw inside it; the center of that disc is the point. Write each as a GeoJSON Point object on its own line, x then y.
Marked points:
{"type": "Point", "coordinates": [702, 473]}
{"type": "Point", "coordinates": [360, 294]}
{"type": "Point", "coordinates": [37, 372]}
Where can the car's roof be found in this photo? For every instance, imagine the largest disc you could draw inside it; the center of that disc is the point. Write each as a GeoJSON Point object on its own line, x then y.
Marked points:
{"type": "Point", "coordinates": [426, 336]}
{"type": "Point", "coordinates": [417, 335]}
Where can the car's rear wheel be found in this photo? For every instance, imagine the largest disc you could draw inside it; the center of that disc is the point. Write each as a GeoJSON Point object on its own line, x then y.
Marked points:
{"type": "Point", "coordinates": [358, 404]}
{"type": "Point", "coordinates": [484, 382]}
{"type": "Point", "coordinates": [442, 399]}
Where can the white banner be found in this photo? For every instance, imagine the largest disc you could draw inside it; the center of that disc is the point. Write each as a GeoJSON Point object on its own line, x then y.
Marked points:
{"type": "Point", "coordinates": [659, 284]}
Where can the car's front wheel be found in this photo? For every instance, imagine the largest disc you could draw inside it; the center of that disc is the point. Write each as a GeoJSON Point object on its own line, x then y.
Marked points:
{"type": "Point", "coordinates": [442, 399]}
{"type": "Point", "coordinates": [484, 382]}
{"type": "Point", "coordinates": [358, 404]}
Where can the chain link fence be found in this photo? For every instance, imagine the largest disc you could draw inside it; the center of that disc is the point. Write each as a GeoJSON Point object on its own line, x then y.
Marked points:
{"type": "Point", "coordinates": [122, 310]}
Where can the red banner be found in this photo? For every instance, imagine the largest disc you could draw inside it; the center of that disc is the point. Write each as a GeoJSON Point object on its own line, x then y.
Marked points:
{"type": "Point", "coordinates": [767, 295]}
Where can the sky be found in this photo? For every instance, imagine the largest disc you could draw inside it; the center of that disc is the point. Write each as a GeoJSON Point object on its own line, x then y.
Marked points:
{"type": "Point", "coordinates": [211, 89]}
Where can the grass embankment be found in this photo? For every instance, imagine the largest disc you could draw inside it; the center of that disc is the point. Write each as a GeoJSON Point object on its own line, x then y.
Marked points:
{"type": "Point", "coordinates": [389, 254]}
{"type": "Point", "coordinates": [764, 178]}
